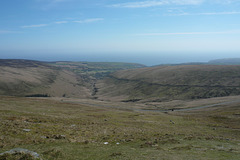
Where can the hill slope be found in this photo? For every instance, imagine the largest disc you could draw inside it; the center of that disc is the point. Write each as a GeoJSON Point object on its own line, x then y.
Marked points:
{"type": "Point", "coordinates": [171, 82]}
{"type": "Point", "coordinates": [68, 79]}
{"type": "Point", "coordinates": [33, 78]}
{"type": "Point", "coordinates": [93, 80]}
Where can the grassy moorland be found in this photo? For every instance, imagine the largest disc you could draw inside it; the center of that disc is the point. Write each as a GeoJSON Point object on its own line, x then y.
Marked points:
{"type": "Point", "coordinates": [164, 83]}
{"type": "Point", "coordinates": [33, 78]}
{"type": "Point", "coordinates": [61, 130]}
{"type": "Point", "coordinates": [56, 79]}
{"type": "Point", "coordinates": [127, 82]}
{"type": "Point", "coordinates": [93, 114]}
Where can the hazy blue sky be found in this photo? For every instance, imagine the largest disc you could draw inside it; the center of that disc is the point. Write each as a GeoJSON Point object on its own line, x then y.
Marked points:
{"type": "Point", "coordinates": [145, 31]}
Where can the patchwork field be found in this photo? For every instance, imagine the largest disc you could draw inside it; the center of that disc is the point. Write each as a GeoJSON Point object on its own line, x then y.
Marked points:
{"type": "Point", "coordinates": [58, 129]}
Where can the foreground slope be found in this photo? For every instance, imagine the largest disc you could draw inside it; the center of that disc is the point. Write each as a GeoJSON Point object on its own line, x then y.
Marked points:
{"type": "Point", "coordinates": [171, 82]}
{"type": "Point", "coordinates": [68, 131]}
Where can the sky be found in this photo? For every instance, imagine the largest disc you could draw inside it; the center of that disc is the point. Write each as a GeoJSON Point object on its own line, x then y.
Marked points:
{"type": "Point", "coordinates": [142, 31]}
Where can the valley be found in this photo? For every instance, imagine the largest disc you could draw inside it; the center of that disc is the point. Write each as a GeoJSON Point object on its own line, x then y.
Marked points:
{"type": "Point", "coordinates": [119, 80]}
{"type": "Point", "coordinates": [88, 110]}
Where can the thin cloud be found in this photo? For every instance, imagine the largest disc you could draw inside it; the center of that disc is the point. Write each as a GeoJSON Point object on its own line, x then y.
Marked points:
{"type": "Point", "coordinates": [154, 3]}
{"type": "Point", "coordinates": [218, 13]}
{"type": "Point", "coordinates": [61, 22]}
{"type": "Point", "coordinates": [187, 2]}
{"type": "Point", "coordinates": [226, 1]}
{"type": "Point", "coordinates": [188, 33]}
{"type": "Point", "coordinates": [89, 20]}
{"type": "Point", "coordinates": [35, 26]}
{"type": "Point", "coordinates": [143, 4]}
{"type": "Point", "coordinates": [204, 13]}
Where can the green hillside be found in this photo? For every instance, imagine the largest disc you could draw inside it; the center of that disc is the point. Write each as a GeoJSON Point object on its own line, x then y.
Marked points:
{"type": "Point", "coordinates": [58, 130]}
{"type": "Point", "coordinates": [34, 78]}
{"type": "Point", "coordinates": [171, 82]}
{"type": "Point", "coordinates": [56, 79]}
{"type": "Point", "coordinates": [118, 81]}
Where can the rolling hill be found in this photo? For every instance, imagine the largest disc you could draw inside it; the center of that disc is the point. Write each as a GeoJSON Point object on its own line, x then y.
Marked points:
{"type": "Point", "coordinates": [124, 82]}
{"type": "Point", "coordinates": [55, 79]}
{"type": "Point", "coordinates": [76, 128]}
{"type": "Point", "coordinates": [162, 83]}
{"type": "Point", "coordinates": [33, 78]}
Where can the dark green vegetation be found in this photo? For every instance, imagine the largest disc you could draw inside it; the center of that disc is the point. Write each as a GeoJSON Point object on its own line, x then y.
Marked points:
{"type": "Point", "coordinates": [19, 156]}
{"type": "Point", "coordinates": [164, 83]}
{"type": "Point", "coordinates": [59, 130]}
